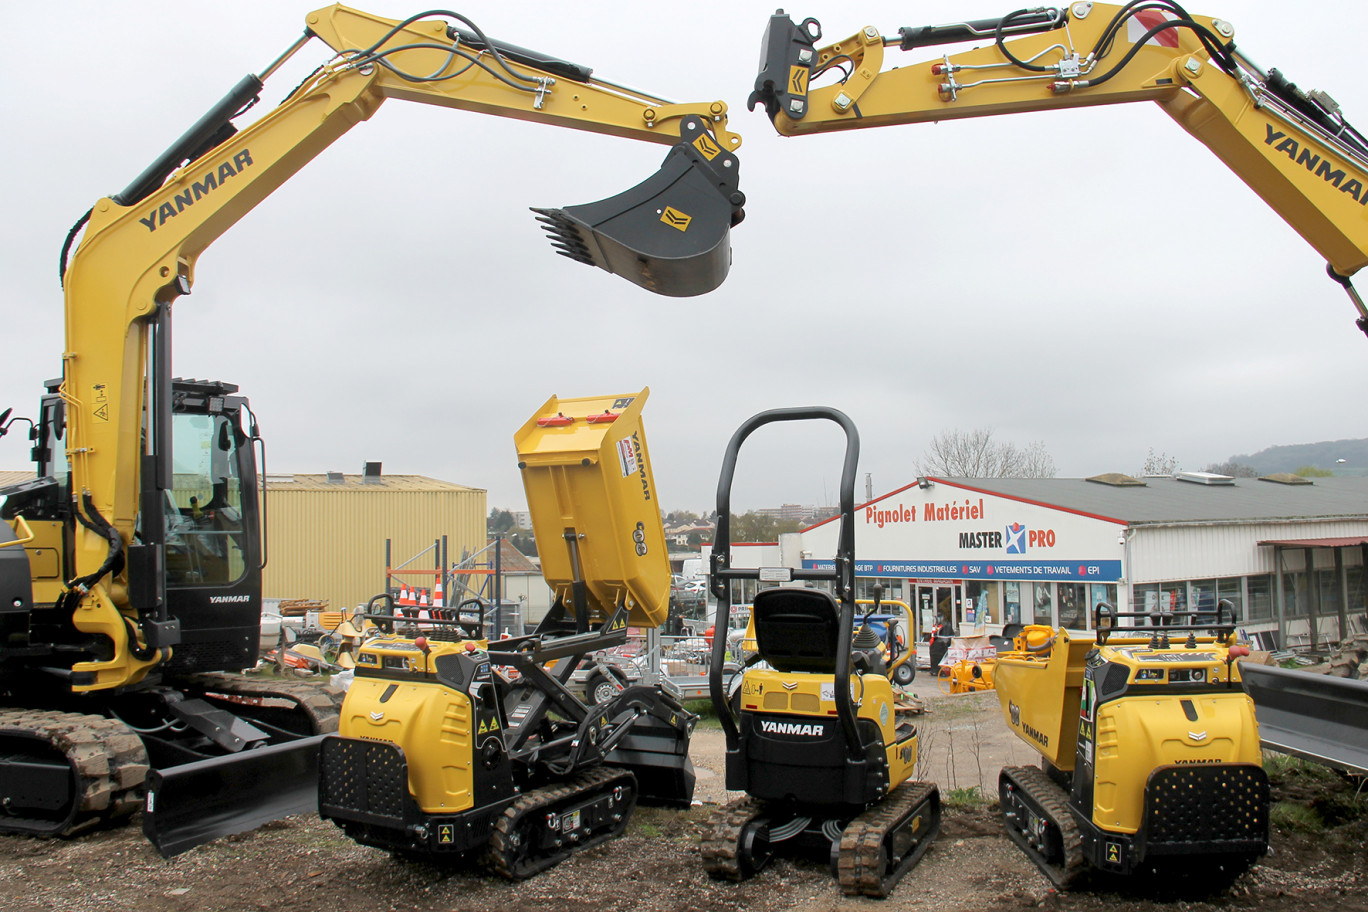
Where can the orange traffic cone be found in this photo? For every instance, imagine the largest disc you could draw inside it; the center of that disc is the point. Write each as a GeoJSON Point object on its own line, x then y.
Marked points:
{"type": "Point", "coordinates": [422, 598]}
{"type": "Point", "coordinates": [404, 594]}
{"type": "Point", "coordinates": [438, 600]}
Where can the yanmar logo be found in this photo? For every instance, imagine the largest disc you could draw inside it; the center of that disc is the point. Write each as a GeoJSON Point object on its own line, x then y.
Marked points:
{"type": "Point", "coordinates": [228, 599]}
{"type": "Point", "coordinates": [1328, 170]}
{"type": "Point", "coordinates": [770, 727]}
{"type": "Point", "coordinates": [641, 463]}
{"type": "Point", "coordinates": [213, 180]}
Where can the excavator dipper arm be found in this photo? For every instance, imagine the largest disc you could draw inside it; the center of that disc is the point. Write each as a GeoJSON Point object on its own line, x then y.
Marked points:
{"type": "Point", "coordinates": [1293, 148]}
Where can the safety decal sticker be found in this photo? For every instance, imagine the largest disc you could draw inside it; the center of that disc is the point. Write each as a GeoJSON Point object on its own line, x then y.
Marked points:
{"type": "Point", "coordinates": [627, 457]}
{"type": "Point", "coordinates": [676, 219]}
{"type": "Point", "coordinates": [707, 147]}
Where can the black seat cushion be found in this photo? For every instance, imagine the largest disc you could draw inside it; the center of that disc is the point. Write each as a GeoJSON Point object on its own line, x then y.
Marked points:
{"type": "Point", "coordinates": [796, 629]}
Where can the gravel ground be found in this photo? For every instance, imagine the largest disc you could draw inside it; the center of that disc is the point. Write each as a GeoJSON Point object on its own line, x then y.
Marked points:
{"type": "Point", "coordinates": [306, 864]}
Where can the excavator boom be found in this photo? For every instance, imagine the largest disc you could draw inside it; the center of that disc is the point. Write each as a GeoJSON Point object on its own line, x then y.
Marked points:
{"type": "Point", "coordinates": [1293, 148]}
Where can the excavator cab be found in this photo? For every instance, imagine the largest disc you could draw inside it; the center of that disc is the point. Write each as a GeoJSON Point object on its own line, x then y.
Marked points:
{"type": "Point", "coordinates": [816, 735]}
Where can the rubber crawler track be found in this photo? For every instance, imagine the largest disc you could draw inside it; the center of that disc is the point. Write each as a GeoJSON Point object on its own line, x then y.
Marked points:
{"type": "Point", "coordinates": [1051, 802]}
{"type": "Point", "coordinates": [863, 865]}
{"type": "Point", "coordinates": [110, 763]}
{"type": "Point", "coordinates": [721, 843]}
{"type": "Point", "coordinates": [504, 854]}
{"type": "Point", "coordinates": [322, 704]}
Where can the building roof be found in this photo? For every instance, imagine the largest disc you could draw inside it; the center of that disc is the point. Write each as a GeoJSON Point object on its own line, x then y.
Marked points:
{"type": "Point", "coordinates": [335, 481]}
{"type": "Point", "coordinates": [14, 476]}
{"type": "Point", "coordinates": [511, 560]}
{"type": "Point", "coordinates": [1165, 499]}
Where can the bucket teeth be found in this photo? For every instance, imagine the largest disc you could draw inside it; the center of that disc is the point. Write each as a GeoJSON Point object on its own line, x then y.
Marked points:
{"type": "Point", "coordinates": [564, 235]}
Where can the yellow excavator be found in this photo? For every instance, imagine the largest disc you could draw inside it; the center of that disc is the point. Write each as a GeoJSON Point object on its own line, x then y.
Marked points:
{"type": "Point", "coordinates": [130, 565]}
{"type": "Point", "coordinates": [1150, 757]}
{"type": "Point", "coordinates": [1294, 148]}
{"type": "Point", "coordinates": [817, 738]}
{"type": "Point", "coordinates": [453, 747]}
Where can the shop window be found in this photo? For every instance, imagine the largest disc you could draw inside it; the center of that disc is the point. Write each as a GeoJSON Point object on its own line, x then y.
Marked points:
{"type": "Point", "coordinates": [976, 608]}
{"type": "Point", "coordinates": [1073, 606]}
{"type": "Point", "coordinates": [1229, 590]}
{"type": "Point", "coordinates": [1202, 595]}
{"type": "Point", "coordinates": [1358, 596]}
{"type": "Point", "coordinates": [1011, 602]}
{"type": "Point", "coordinates": [1145, 598]}
{"type": "Point", "coordinates": [1296, 595]}
{"type": "Point", "coordinates": [1260, 598]}
{"type": "Point", "coordinates": [1102, 592]}
{"type": "Point", "coordinates": [1172, 598]}
{"type": "Point", "coordinates": [1043, 605]}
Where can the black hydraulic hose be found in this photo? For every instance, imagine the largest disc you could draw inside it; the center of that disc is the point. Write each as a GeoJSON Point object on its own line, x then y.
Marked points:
{"type": "Point", "coordinates": [113, 561]}
{"type": "Point", "coordinates": [1135, 48]}
{"type": "Point", "coordinates": [1220, 53]}
{"type": "Point", "coordinates": [66, 247]}
{"type": "Point", "coordinates": [1002, 45]}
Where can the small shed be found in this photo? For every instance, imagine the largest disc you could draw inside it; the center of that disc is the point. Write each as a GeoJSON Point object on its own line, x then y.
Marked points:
{"type": "Point", "coordinates": [325, 534]}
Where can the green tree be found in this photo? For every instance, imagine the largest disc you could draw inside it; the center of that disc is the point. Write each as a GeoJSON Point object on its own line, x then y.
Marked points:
{"type": "Point", "coordinates": [503, 522]}
{"type": "Point", "coordinates": [756, 527]}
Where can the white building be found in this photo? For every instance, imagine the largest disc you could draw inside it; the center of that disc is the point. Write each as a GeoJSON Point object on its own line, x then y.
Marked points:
{"type": "Point", "coordinates": [1287, 552]}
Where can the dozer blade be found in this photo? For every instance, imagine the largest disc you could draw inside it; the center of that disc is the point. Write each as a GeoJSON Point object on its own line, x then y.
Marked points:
{"type": "Point", "coordinates": [194, 803]}
{"type": "Point", "coordinates": [671, 233]}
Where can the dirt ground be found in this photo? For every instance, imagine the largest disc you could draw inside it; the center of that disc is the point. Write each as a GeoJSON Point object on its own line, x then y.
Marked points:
{"type": "Point", "coordinates": [306, 864]}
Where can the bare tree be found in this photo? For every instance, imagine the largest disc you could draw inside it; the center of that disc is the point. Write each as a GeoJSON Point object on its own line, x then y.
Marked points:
{"type": "Point", "coordinates": [975, 454]}
{"type": "Point", "coordinates": [1158, 464]}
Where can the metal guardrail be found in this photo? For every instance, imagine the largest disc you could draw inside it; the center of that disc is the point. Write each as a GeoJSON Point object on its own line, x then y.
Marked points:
{"type": "Point", "coordinates": [1319, 717]}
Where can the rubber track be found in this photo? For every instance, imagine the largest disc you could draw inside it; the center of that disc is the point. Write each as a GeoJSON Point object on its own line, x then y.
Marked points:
{"type": "Point", "coordinates": [501, 854]}
{"type": "Point", "coordinates": [862, 865]}
{"type": "Point", "coordinates": [320, 702]}
{"type": "Point", "coordinates": [1053, 802]}
{"type": "Point", "coordinates": [721, 842]}
{"type": "Point", "coordinates": [109, 758]}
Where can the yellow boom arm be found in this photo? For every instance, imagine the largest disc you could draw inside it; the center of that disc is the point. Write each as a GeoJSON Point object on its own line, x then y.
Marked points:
{"type": "Point", "coordinates": [1292, 148]}
{"type": "Point", "coordinates": [669, 234]}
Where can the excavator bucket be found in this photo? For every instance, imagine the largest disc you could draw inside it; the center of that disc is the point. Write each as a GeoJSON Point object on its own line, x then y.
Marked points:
{"type": "Point", "coordinates": [194, 803]}
{"type": "Point", "coordinates": [671, 233]}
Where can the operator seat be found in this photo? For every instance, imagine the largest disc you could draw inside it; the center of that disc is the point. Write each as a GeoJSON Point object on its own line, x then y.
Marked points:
{"type": "Point", "coordinates": [796, 629]}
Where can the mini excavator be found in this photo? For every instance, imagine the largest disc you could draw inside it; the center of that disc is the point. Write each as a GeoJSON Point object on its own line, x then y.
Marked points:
{"type": "Point", "coordinates": [816, 736]}
{"type": "Point", "coordinates": [130, 565]}
{"type": "Point", "coordinates": [1150, 755]}
{"type": "Point", "coordinates": [454, 748]}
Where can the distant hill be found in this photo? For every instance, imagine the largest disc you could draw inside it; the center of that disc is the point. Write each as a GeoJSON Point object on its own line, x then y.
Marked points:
{"type": "Point", "coordinates": [1323, 455]}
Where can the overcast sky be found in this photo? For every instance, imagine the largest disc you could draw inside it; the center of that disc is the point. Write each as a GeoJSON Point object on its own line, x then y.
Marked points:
{"type": "Point", "coordinates": [1092, 279]}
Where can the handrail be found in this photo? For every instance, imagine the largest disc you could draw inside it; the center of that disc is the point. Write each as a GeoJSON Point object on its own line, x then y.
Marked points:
{"type": "Point", "coordinates": [28, 533]}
